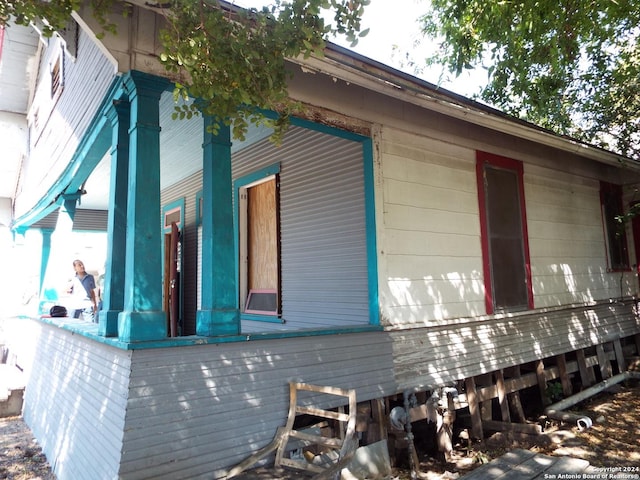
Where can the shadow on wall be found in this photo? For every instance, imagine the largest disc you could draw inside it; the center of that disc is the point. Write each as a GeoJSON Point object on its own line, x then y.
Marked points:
{"type": "Point", "coordinates": [431, 300]}
{"type": "Point", "coordinates": [190, 410]}
{"type": "Point", "coordinates": [440, 355]}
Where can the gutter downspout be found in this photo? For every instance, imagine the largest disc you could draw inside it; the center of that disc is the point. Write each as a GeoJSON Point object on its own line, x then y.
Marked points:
{"type": "Point", "coordinates": [556, 411]}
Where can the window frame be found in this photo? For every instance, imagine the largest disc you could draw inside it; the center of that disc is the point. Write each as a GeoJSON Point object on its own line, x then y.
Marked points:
{"type": "Point", "coordinates": [240, 185]}
{"type": "Point", "coordinates": [484, 159]}
{"type": "Point", "coordinates": [610, 237]}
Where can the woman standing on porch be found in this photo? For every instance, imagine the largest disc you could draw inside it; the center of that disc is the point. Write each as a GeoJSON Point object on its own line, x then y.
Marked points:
{"type": "Point", "coordinates": [83, 292]}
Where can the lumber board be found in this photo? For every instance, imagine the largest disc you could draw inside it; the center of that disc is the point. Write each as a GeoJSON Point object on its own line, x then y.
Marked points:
{"type": "Point", "coordinates": [474, 408]}
{"type": "Point", "coordinates": [529, 428]}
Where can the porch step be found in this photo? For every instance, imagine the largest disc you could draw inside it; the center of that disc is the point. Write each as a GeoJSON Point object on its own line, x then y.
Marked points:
{"type": "Point", "coordinates": [11, 390]}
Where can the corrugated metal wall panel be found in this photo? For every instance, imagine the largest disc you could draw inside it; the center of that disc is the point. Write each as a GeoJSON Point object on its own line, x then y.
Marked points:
{"type": "Point", "coordinates": [187, 189]}
{"type": "Point", "coordinates": [195, 411]}
{"type": "Point", "coordinates": [323, 238]}
{"type": "Point", "coordinates": [86, 219]}
{"type": "Point", "coordinates": [76, 400]}
{"type": "Point", "coordinates": [323, 235]}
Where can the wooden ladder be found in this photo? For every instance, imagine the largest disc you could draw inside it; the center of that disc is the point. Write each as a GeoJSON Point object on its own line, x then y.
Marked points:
{"type": "Point", "coordinates": [343, 447]}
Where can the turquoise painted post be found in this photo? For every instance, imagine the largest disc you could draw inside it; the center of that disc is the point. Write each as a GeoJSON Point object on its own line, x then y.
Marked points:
{"type": "Point", "coordinates": [54, 242]}
{"type": "Point", "coordinates": [219, 314]}
{"type": "Point", "coordinates": [142, 318]}
{"type": "Point", "coordinates": [113, 295]}
{"type": "Point", "coordinates": [46, 253]}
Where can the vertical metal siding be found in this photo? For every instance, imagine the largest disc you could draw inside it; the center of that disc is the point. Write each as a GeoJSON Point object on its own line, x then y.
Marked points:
{"type": "Point", "coordinates": [323, 235]}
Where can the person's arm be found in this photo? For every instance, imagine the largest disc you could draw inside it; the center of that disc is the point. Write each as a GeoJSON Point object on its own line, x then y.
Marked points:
{"type": "Point", "coordinates": [92, 294]}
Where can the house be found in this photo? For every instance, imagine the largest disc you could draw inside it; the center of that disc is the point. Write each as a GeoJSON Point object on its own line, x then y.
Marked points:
{"type": "Point", "coordinates": [401, 239]}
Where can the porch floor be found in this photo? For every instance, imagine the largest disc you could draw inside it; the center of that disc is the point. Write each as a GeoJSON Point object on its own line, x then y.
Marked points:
{"type": "Point", "coordinates": [525, 465]}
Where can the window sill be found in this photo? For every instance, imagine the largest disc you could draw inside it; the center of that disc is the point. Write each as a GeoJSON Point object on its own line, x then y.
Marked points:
{"type": "Point", "coordinates": [262, 318]}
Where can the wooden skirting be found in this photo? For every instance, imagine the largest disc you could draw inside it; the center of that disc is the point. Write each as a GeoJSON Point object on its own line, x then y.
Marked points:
{"type": "Point", "coordinates": [494, 401]}
{"type": "Point", "coordinates": [589, 366]}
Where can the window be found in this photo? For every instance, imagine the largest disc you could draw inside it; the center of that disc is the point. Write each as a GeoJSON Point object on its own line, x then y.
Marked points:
{"type": "Point", "coordinates": [57, 76]}
{"type": "Point", "coordinates": [49, 89]}
{"type": "Point", "coordinates": [615, 238]}
{"type": "Point", "coordinates": [505, 249]}
{"type": "Point", "coordinates": [172, 216]}
{"type": "Point", "coordinates": [258, 243]}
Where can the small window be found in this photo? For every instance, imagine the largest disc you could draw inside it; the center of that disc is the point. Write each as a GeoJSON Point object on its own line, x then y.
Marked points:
{"type": "Point", "coordinates": [615, 237]}
{"type": "Point", "coordinates": [173, 216]}
{"type": "Point", "coordinates": [262, 302]}
{"type": "Point", "coordinates": [57, 76]}
{"type": "Point", "coordinates": [70, 35]}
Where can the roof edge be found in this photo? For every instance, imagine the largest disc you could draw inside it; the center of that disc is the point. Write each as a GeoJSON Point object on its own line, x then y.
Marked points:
{"type": "Point", "coordinates": [368, 72]}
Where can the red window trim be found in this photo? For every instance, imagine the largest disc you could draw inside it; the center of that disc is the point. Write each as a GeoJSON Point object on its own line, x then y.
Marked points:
{"type": "Point", "coordinates": [482, 159]}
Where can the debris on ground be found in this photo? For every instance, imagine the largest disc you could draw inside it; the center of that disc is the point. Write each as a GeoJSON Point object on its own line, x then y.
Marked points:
{"type": "Point", "coordinates": [612, 441]}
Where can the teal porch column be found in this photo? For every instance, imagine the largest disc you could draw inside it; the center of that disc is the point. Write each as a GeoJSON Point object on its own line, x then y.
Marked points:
{"type": "Point", "coordinates": [55, 250]}
{"type": "Point", "coordinates": [142, 318]}
{"type": "Point", "coordinates": [219, 314]}
{"type": "Point", "coordinates": [113, 295]}
{"type": "Point", "coordinates": [46, 252]}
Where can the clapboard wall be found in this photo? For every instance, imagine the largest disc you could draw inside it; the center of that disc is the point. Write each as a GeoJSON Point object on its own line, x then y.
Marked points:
{"type": "Point", "coordinates": [431, 271]}
{"type": "Point", "coordinates": [61, 124]}
{"type": "Point", "coordinates": [76, 401]}
{"type": "Point", "coordinates": [441, 355]}
{"type": "Point", "coordinates": [192, 412]}
{"type": "Point", "coordinates": [566, 240]}
{"type": "Point", "coordinates": [195, 411]}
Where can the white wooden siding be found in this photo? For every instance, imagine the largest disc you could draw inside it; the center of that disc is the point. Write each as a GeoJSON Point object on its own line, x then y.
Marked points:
{"type": "Point", "coordinates": [192, 412]}
{"type": "Point", "coordinates": [441, 355]}
{"type": "Point", "coordinates": [75, 402]}
{"type": "Point", "coordinates": [431, 268]}
{"type": "Point", "coordinates": [566, 240]}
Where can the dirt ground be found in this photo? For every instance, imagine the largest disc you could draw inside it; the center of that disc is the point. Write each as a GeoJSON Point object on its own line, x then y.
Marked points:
{"type": "Point", "coordinates": [613, 441]}
{"type": "Point", "coordinates": [20, 456]}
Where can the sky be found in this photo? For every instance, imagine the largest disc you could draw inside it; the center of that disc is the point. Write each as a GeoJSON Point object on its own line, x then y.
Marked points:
{"type": "Point", "coordinates": [394, 29]}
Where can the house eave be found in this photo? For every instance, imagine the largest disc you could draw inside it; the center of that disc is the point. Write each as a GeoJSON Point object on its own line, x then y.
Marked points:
{"type": "Point", "coordinates": [351, 67]}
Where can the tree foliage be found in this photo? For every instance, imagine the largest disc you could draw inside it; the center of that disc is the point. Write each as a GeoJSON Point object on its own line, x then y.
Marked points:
{"type": "Point", "coordinates": [572, 66]}
{"type": "Point", "coordinates": [232, 61]}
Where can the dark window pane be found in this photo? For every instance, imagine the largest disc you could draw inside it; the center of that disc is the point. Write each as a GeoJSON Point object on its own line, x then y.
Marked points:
{"type": "Point", "coordinates": [506, 243]}
{"type": "Point", "coordinates": [611, 199]}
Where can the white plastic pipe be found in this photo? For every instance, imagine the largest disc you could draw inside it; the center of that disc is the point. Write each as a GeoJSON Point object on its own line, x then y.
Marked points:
{"type": "Point", "coordinates": [556, 412]}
